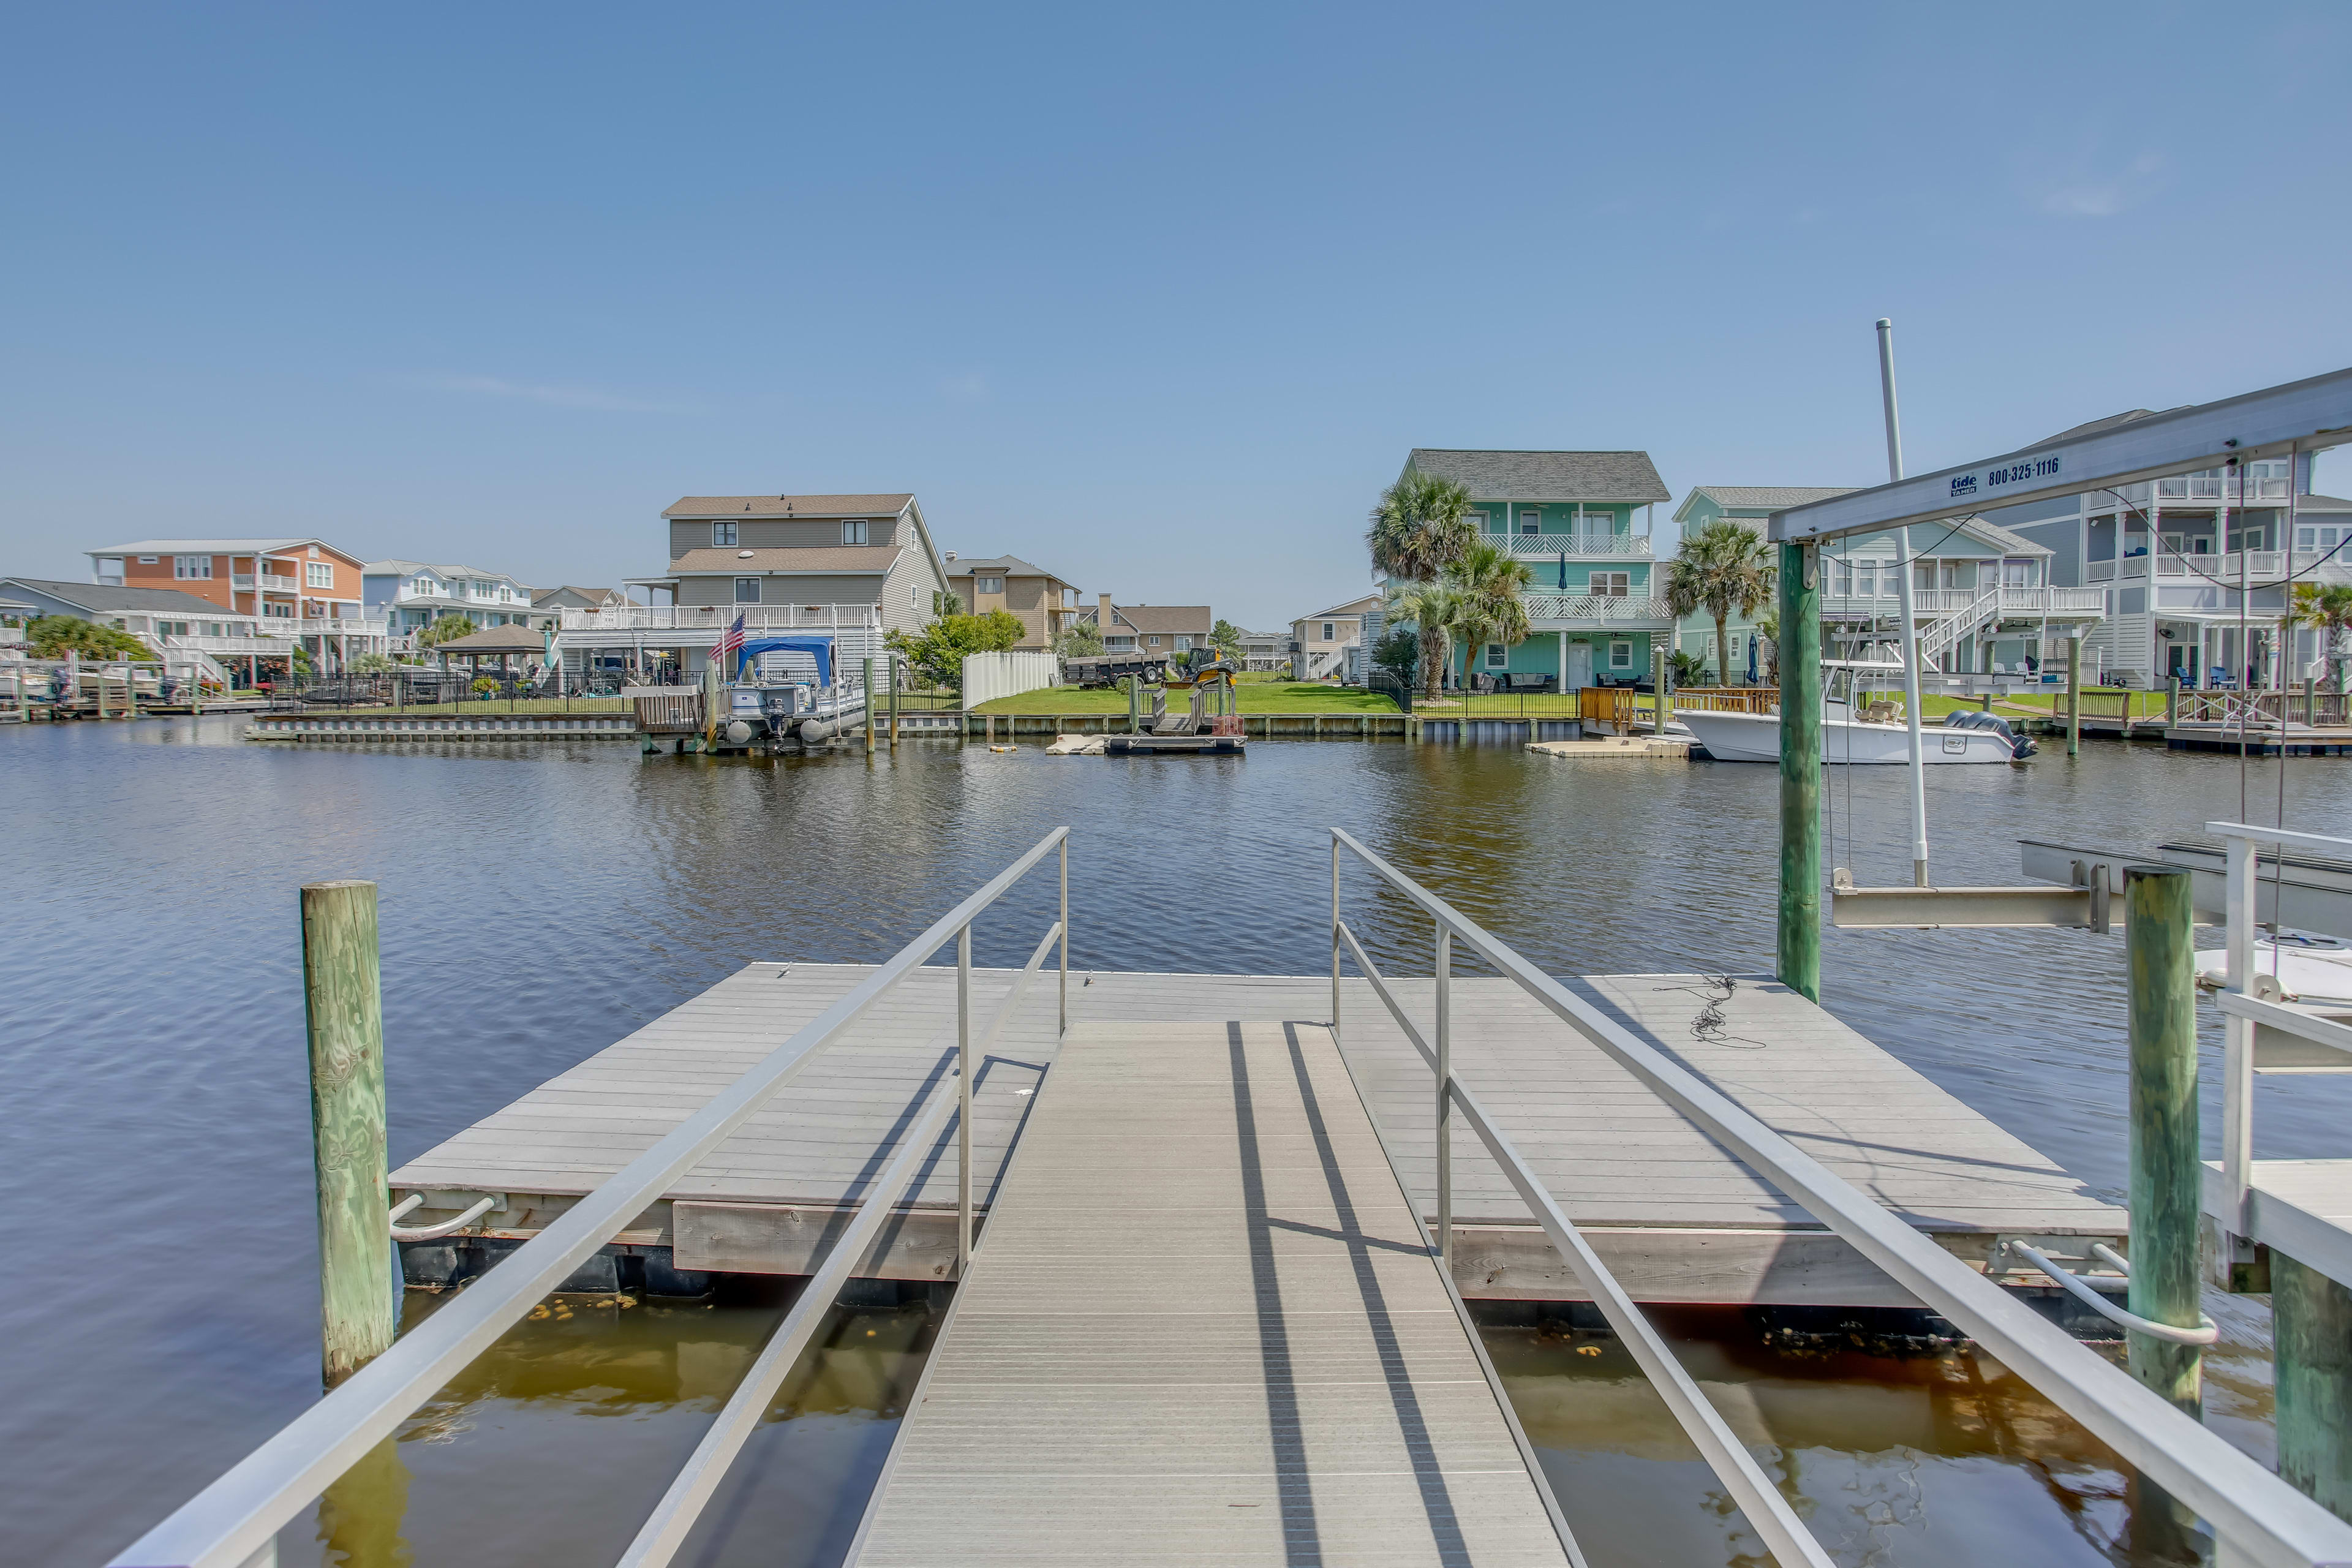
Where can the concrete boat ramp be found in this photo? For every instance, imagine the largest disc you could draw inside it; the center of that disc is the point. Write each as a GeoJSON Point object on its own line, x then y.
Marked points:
{"type": "Point", "coordinates": [1202, 1317]}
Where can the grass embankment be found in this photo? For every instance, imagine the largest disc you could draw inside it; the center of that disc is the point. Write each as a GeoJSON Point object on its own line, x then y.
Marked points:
{"type": "Point", "coordinates": [1256, 697]}
{"type": "Point", "coordinates": [2102, 702]}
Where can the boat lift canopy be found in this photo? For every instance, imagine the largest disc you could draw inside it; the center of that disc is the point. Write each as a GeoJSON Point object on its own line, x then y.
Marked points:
{"type": "Point", "coordinates": [2277, 422]}
{"type": "Point", "coordinates": [821, 646]}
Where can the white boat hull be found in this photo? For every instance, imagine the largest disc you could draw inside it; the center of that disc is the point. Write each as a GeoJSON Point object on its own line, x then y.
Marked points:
{"type": "Point", "coordinates": [1756, 738]}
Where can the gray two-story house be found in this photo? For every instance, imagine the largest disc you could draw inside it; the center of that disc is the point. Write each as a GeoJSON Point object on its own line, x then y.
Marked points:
{"type": "Point", "coordinates": [861, 565]}
{"type": "Point", "coordinates": [2169, 557]}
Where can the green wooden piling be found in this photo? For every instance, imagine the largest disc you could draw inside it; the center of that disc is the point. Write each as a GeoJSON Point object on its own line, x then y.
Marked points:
{"type": "Point", "coordinates": [2311, 1339]}
{"type": "Point", "coordinates": [1800, 947]}
{"type": "Point", "coordinates": [344, 1006]}
{"type": "Point", "coordinates": [2074, 695]}
{"type": "Point", "coordinates": [894, 701]}
{"type": "Point", "coordinates": [2164, 1167]}
{"type": "Point", "coordinates": [868, 691]}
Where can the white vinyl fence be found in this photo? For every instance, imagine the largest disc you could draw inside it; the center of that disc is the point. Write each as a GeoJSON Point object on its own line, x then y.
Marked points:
{"type": "Point", "coordinates": [989, 676]}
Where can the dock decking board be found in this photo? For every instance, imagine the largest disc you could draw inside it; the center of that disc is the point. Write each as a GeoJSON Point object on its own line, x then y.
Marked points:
{"type": "Point", "coordinates": [1234, 1347]}
{"type": "Point", "coordinates": [1654, 1187]}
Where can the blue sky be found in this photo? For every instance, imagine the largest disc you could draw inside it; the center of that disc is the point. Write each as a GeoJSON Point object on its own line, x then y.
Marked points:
{"type": "Point", "coordinates": [1158, 298]}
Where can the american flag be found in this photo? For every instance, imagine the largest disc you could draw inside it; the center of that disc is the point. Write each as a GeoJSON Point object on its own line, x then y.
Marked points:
{"type": "Point", "coordinates": [730, 649]}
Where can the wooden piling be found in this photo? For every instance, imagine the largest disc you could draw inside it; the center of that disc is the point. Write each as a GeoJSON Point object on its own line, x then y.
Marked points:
{"type": "Point", "coordinates": [343, 1002]}
{"type": "Point", "coordinates": [894, 702]}
{"type": "Point", "coordinates": [2074, 695]}
{"type": "Point", "coordinates": [2166, 1170]}
{"type": "Point", "coordinates": [2311, 1339]}
{"type": "Point", "coordinates": [868, 691]}
{"type": "Point", "coordinates": [2171, 703]}
{"type": "Point", "coordinates": [1800, 942]}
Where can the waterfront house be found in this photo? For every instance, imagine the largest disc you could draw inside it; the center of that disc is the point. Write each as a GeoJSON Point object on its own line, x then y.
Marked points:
{"type": "Point", "coordinates": [549, 601]}
{"type": "Point", "coordinates": [304, 589]}
{"type": "Point", "coordinates": [1982, 595]}
{"type": "Point", "coordinates": [1331, 642]}
{"type": "Point", "coordinates": [2166, 558]}
{"type": "Point", "coordinates": [1581, 522]}
{"type": "Point", "coordinates": [852, 565]}
{"type": "Point", "coordinates": [1266, 650]}
{"type": "Point", "coordinates": [413, 594]}
{"type": "Point", "coordinates": [175, 624]}
{"type": "Point", "coordinates": [1153, 630]}
{"type": "Point", "coordinates": [1749, 505]}
{"type": "Point", "coordinates": [1045, 604]}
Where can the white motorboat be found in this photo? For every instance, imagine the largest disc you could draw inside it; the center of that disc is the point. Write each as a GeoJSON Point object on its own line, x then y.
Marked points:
{"type": "Point", "coordinates": [1756, 738]}
{"type": "Point", "coordinates": [1963, 737]}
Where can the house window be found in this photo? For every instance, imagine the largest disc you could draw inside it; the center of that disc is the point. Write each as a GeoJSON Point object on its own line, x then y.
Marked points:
{"type": "Point", "coordinates": [2312, 539]}
{"type": "Point", "coordinates": [1151, 642]}
{"type": "Point", "coordinates": [1477, 521]}
{"type": "Point", "coordinates": [1069, 598]}
{"type": "Point", "coordinates": [1327, 631]}
{"type": "Point", "coordinates": [1620, 655]}
{"type": "Point", "coordinates": [110, 570]}
{"type": "Point", "coordinates": [319, 573]}
{"type": "Point", "coordinates": [1183, 645]}
{"type": "Point", "coordinates": [187, 566]}
{"type": "Point", "coordinates": [213, 629]}
{"type": "Point", "coordinates": [1498, 656]}
{"type": "Point", "coordinates": [1530, 520]}
{"type": "Point", "coordinates": [721, 534]}
{"type": "Point", "coordinates": [148, 560]}
{"type": "Point", "coordinates": [987, 585]}
{"type": "Point", "coordinates": [747, 590]}
{"type": "Point", "coordinates": [854, 531]}
{"type": "Point", "coordinates": [915, 596]}
{"type": "Point", "coordinates": [1611, 584]}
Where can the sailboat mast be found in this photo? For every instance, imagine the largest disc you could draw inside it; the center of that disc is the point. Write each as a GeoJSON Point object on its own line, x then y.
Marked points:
{"type": "Point", "coordinates": [1905, 602]}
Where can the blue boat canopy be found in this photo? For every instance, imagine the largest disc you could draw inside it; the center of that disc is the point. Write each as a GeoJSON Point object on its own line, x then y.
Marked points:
{"type": "Point", "coordinates": [821, 646]}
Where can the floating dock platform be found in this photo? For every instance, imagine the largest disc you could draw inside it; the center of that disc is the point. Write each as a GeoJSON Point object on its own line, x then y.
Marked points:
{"type": "Point", "coordinates": [1677, 1217]}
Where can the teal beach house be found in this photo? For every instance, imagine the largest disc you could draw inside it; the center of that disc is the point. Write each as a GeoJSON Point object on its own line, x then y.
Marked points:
{"type": "Point", "coordinates": [1580, 521]}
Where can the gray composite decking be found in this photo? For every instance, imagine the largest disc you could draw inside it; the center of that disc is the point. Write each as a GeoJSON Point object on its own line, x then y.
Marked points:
{"type": "Point", "coordinates": [1202, 1326]}
{"type": "Point", "coordinates": [1678, 1217]}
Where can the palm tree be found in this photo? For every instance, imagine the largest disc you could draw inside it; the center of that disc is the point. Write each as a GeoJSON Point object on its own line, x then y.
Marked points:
{"type": "Point", "coordinates": [1432, 608]}
{"type": "Point", "coordinates": [1489, 582]}
{"type": "Point", "coordinates": [1722, 568]}
{"type": "Point", "coordinates": [1420, 528]}
{"type": "Point", "coordinates": [2328, 610]}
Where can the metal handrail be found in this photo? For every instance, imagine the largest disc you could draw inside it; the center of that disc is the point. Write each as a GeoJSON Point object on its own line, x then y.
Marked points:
{"type": "Point", "coordinates": [2242, 1012]}
{"type": "Point", "coordinates": [236, 1518]}
{"type": "Point", "coordinates": [2261, 1517]}
{"type": "Point", "coordinates": [1766, 1509]}
{"type": "Point", "coordinates": [673, 1518]}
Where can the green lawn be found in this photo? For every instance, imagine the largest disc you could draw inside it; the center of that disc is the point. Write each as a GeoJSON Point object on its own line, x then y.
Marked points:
{"type": "Point", "coordinates": [1256, 697]}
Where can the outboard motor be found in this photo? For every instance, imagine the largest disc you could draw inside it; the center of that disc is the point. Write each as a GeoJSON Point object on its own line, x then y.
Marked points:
{"type": "Point", "coordinates": [2020, 746]}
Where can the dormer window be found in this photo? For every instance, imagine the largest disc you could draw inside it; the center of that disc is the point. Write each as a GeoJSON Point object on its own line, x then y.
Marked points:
{"type": "Point", "coordinates": [722, 535]}
{"type": "Point", "coordinates": [853, 531]}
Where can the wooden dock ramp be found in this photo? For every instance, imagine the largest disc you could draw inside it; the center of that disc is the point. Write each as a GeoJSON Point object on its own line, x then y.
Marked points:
{"type": "Point", "coordinates": [1202, 1326]}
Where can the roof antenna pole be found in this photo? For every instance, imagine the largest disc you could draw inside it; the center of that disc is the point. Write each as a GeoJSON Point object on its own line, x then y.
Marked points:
{"type": "Point", "coordinates": [1905, 602]}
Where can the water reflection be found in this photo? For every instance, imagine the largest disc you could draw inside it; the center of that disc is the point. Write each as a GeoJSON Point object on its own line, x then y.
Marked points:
{"type": "Point", "coordinates": [554, 1445]}
{"type": "Point", "coordinates": [1925, 1459]}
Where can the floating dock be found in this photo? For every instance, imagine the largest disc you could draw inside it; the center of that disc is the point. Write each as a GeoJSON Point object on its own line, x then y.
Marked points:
{"type": "Point", "coordinates": [1676, 1215]}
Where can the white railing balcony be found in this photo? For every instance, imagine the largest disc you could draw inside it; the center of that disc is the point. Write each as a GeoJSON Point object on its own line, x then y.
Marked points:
{"type": "Point", "coordinates": [323, 625]}
{"type": "Point", "coordinates": [2215, 488]}
{"type": "Point", "coordinates": [264, 647]}
{"type": "Point", "coordinates": [2259, 565]}
{"type": "Point", "coordinates": [1590, 542]}
{"type": "Point", "coordinates": [719, 618]}
{"type": "Point", "coordinates": [270, 583]}
{"type": "Point", "coordinates": [1593, 609]}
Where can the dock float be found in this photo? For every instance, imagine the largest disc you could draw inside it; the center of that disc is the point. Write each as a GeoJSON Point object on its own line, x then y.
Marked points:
{"type": "Point", "coordinates": [485, 727]}
{"type": "Point", "coordinates": [1676, 1215]}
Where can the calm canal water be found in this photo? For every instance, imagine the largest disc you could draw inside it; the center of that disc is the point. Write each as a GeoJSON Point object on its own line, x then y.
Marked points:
{"type": "Point", "coordinates": [539, 901]}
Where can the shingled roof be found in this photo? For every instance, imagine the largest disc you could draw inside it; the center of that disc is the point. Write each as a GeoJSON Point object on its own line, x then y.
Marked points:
{"type": "Point", "coordinates": [1618, 477]}
{"type": "Point", "coordinates": [1771, 498]}
{"type": "Point", "coordinates": [790, 506]}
